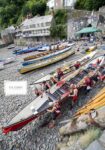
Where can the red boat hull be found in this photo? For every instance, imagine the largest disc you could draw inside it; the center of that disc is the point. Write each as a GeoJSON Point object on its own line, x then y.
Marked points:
{"type": "Point", "coordinates": [18, 125]}
{"type": "Point", "coordinates": [21, 124]}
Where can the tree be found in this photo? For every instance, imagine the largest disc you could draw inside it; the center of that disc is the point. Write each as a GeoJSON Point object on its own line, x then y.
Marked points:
{"type": "Point", "coordinates": [89, 4]}
{"type": "Point", "coordinates": [12, 11]}
{"type": "Point", "coordinates": [59, 28]}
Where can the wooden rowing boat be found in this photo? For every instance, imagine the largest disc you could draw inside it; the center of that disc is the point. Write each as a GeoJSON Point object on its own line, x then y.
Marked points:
{"type": "Point", "coordinates": [42, 54]}
{"type": "Point", "coordinates": [58, 92]}
{"type": "Point", "coordinates": [29, 62]}
{"type": "Point", "coordinates": [66, 68]}
{"type": "Point", "coordinates": [46, 62]}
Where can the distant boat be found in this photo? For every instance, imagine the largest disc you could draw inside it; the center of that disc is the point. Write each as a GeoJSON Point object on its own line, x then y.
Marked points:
{"type": "Point", "coordinates": [46, 62]}
{"type": "Point", "coordinates": [44, 48]}
{"type": "Point", "coordinates": [58, 92]}
{"type": "Point", "coordinates": [90, 49]}
{"type": "Point", "coordinates": [11, 46]}
{"type": "Point", "coordinates": [28, 50]}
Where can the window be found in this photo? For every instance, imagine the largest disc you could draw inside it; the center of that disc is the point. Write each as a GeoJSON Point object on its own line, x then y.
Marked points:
{"type": "Point", "coordinates": [26, 27]}
{"type": "Point", "coordinates": [42, 24]}
{"type": "Point", "coordinates": [32, 26]}
{"type": "Point", "coordinates": [38, 25]}
{"type": "Point", "coordinates": [48, 23]}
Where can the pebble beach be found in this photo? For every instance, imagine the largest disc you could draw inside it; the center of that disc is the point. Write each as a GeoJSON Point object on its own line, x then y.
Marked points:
{"type": "Point", "coordinates": [32, 136]}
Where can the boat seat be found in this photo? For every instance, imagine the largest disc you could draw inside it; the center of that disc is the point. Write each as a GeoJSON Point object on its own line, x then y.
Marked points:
{"type": "Point", "coordinates": [44, 106]}
{"type": "Point", "coordinates": [51, 97]}
{"type": "Point", "coordinates": [62, 90]}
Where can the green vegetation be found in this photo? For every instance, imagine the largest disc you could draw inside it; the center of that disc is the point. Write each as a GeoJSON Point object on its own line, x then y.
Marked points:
{"type": "Point", "coordinates": [59, 28]}
{"type": "Point", "coordinates": [13, 11]}
{"type": "Point", "coordinates": [89, 4]}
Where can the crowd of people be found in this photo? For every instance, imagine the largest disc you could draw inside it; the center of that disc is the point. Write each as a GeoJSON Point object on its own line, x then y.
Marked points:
{"type": "Point", "coordinates": [87, 84]}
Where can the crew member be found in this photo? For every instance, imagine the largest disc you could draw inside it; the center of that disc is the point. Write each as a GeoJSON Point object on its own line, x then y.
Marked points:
{"type": "Point", "coordinates": [45, 86]}
{"type": "Point", "coordinates": [77, 65]}
{"type": "Point", "coordinates": [98, 61]}
{"type": "Point", "coordinates": [59, 74]}
{"type": "Point", "coordinates": [53, 81]}
{"type": "Point", "coordinates": [37, 92]}
{"type": "Point", "coordinates": [88, 84]}
{"type": "Point", "coordinates": [73, 93]}
{"type": "Point", "coordinates": [55, 111]}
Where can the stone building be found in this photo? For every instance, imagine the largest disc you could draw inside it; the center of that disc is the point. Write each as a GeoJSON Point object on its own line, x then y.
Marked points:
{"type": "Point", "coordinates": [101, 23]}
{"type": "Point", "coordinates": [77, 19]}
{"type": "Point", "coordinates": [8, 34]}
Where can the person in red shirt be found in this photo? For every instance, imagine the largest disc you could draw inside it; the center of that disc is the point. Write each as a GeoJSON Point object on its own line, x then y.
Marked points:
{"type": "Point", "coordinates": [73, 93]}
{"type": "Point", "coordinates": [55, 112]}
{"type": "Point", "coordinates": [37, 92]}
{"type": "Point", "coordinates": [53, 80]}
{"type": "Point", "coordinates": [87, 84]}
{"type": "Point", "coordinates": [59, 74]}
{"type": "Point", "coordinates": [45, 86]}
{"type": "Point", "coordinates": [77, 65]}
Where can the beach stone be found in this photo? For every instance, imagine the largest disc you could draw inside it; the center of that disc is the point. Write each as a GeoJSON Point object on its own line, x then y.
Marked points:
{"type": "Point", "coordinates": [60, 145]}
{"type": "Point", "coordinates": [64, 148]}
{"type": "Point", "coordinates": [65, 139]}
{"type": "Point", "coordinates": [102, 139]}
{"type": "Point", "coordinates": [95, 146]}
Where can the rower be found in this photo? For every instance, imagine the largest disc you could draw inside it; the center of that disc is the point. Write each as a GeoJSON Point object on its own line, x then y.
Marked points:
{"type": "Point", "coordinates": [102, 75]}
{"type": "Point", "coordinates": [53, 80]}
{"type": "Point", "coordinates": [45, 86]}
{"type": "Point", "coordinates": [59, 74]}
{"type": "Point", "coordinates": [94, 76]}
{"type": "Point", "coordinates": [88, 84]}
{"type": "Point", "coordinates": [55, 111]}
{"type": "Point", "coordinates": [77, 65]}
{"type": "Point", "coordinates": [73, 93]}
{"type": "Point", "coordinates": [37, 92]}
{"type": "Point", "coordinates": [98, 61]}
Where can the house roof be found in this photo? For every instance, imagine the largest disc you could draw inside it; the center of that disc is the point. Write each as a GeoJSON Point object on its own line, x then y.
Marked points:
{"type": "Point", "coordinates": [37, 20]}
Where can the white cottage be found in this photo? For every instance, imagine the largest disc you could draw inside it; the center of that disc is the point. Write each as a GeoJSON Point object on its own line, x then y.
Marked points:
{"type": "Point", "coordinates": [37, 28]}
